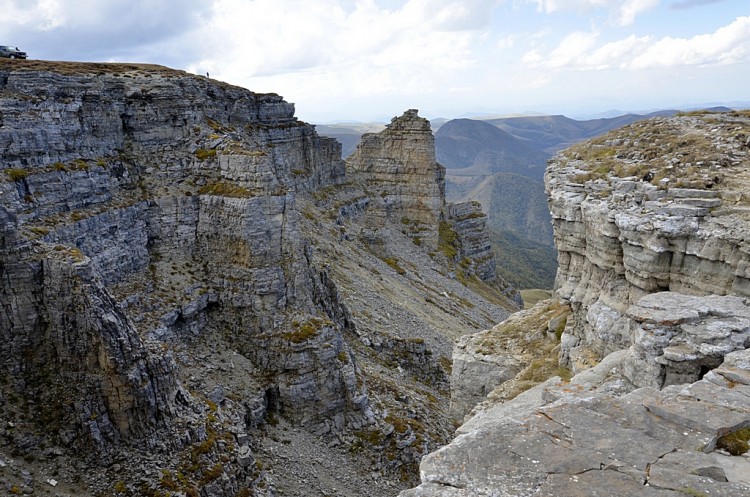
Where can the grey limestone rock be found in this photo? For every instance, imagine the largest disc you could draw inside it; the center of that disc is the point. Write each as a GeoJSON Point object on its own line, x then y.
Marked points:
{"type": "Point", "coordinates": [398, 165]}
{"type": "Point", "coordinates": [620, 237]}
{"type": "Point", "coordinates": [678, 338]}
{"type": "Point", "coordinates": [146, 210]}
{"type": "Point", "coordinates": [590, 443]}
{"type": "Point", "coordinates": [656, 279]}
{"type": "Point", "coordinates": [165, 286]}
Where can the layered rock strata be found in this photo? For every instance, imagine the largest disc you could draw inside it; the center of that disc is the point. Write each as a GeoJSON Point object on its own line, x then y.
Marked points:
{"type": "Point", "coordinates": [470, 223]}
{"type": "Point", "coordinates": [658, 205]}
{"type": "Point", "coordinates": [144, 210]}
{"type": "Point", "coordinates": [650, 223]}
{"type": "Point", "coordinates": [406, 192]}
{"type": "Point", "coordinates": [679, 338]}
{"type": "Point", "coordinates": [562, 439]}
{"type": "Point", "coordinates": [398, 165]}
{"type": "Point", "coordinates": [183, 266]}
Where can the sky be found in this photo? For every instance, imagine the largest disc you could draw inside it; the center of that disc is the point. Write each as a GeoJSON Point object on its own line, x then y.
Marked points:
{"type": "Point", "coordinates": [369, 60]}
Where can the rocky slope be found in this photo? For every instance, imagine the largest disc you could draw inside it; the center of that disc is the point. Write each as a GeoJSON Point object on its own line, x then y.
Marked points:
{"type": "Point", "coordinates": [187, 269]}
{"type": "Point", "coordinates": [651, 223]}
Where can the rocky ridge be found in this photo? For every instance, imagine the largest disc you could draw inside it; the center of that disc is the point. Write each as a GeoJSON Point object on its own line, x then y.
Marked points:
{"type": "Point", "coordinates": [185, 264]}
{"type": "Point", "coordinates": [650, 222]}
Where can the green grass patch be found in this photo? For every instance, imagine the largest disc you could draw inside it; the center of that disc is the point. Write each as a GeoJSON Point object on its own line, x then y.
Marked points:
{"type": "Point", "coordinates": [393, 262]}
{"type": "Point", "coordinates": [448, 242]}
{"type": "Point", "coordinates": [532, 296]}
{"type": "Point", "coordinates": [736, 442]}
{"type": "Point", "coordinates": [16, 174]}
{"type": "Point", "coordinates": [302, 332]}
{"type": "Point", "coordinates": [225, 189]}
{"type": "Point", "coordinates": [205, 153]}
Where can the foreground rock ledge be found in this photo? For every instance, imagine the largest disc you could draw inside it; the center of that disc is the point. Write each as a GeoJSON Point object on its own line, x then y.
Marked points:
{"type": "Point", "coordinates": [648, 442]}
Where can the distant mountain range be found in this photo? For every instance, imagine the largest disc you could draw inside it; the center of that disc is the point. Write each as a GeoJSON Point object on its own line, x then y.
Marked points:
{"type": "Point", "coordinates": [500, 161]}
{"type": "Point", "coordinates": [518, 144]}
{"type": "Point", "coordinates": [481, 148]}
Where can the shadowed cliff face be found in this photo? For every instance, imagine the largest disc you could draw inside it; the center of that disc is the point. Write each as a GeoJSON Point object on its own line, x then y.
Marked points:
{"type": "Point", "coordinates": [144, 210]}
{"type": "Point", "coordinates": [177, 271]}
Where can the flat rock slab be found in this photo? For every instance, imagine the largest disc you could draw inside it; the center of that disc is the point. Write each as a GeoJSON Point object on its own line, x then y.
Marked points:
{"type": "Point", "coordinates": [645, 443]}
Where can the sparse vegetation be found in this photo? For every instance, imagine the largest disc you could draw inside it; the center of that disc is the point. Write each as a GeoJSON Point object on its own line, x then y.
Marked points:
{"type": "Point", "coordinates": [79, 165]}
{"type": "Point", "coordinates": [212, 473]}
{"type": "Point", "coordinates": [527, 336]}
{"type": "Point", "coordinates": [692, 492]}
{"type": "Point", "coordinates": [735, 442]}
{"type": "Point", "coordinates": [305, 331]}
{"type": "Point", "coordinates": [393, 262]}
{"type": "Point", "coordinates": [225, 189]}
{"type": "Point", "coordinates": [664, 153]}
{"type": "Point", "coordinates": [448, 242]}
{"type": "Point", "coordinates": [532, 296]}
{"type": "Point", "coordinates": [205, 154]}
{"type": "Point", "coordinates": [16, 174]}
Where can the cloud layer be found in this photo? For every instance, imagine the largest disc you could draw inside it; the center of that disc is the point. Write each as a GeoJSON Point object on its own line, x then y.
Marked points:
{"type": "Point", "coordinates": [581, 50]}
{"type": "Point", "coordinates": [353, 58]}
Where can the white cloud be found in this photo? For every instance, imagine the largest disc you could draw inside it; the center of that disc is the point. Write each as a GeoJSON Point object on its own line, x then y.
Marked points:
{"type": "Point", "coordinates": [571, 49]}
{"type": "Point", "coordinates": [727, 45]}
{"type": "Point", "coordinates": [307, 49]}
{"type": "Point", "coordinates": [622, 12]}
{"type": "Point", "coordinates": [98, 29]}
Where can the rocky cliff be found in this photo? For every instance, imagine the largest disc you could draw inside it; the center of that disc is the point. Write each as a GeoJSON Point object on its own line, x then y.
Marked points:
{"type": "Point", "coordinates": [659, 205]}
{"type": "Point", "coordinates": [399, 165]}
{"type": "Point", "coordinates": [650, 222]}
{"type": "Point", "coordinates": [188, 272]}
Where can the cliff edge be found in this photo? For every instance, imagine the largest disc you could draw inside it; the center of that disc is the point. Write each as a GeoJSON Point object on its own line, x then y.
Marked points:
{"type": "Point", "coordinates": [651, 225]}
{"type": "Point", "coordinates": [191, 292]}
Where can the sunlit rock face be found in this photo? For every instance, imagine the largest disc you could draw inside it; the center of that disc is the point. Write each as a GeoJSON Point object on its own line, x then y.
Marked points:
{"type": "Point", "coordinates": [652, 312]}
{"type": "Point", "coordinates": [658, 205]}
{"type": "Point", "coordinates": [398, 165]}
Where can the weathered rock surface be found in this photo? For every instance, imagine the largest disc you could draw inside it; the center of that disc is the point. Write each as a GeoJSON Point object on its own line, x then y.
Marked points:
{"type": "Point", "coordinates": [620, 237]}
{"type": "Point", "coordinates": [470, 224]}
{"type": "Point", "coordinates": [584, 443]}
{"type": "Point", "coordinates": [656, 279]}
{"type": "Point", "coordinates": [524, 346]}
{"type": "Point", "coordinates": [184, 262]}
{"type": "Point", "coordinates": [678, 338]}
{"type": "Point", "coordinates": [398, 165]}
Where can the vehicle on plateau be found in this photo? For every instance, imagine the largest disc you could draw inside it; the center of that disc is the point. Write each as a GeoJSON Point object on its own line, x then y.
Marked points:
{"type": "Point", "coordinates": [11, 52]}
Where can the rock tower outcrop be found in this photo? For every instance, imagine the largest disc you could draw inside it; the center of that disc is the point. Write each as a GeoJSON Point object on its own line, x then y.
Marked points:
{"type": "Point", "coordinates": [651, 225]}
{"type": "Point", "coordinates": [398, 164]}
{"type": "Point", "coordinates": [407, 193]}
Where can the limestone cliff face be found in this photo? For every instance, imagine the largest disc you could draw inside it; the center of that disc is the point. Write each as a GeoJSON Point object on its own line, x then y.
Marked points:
{"type": "Point", "coordinates": [651, 223]}
{"type": "Point", "coordinates": [72, 352]}
{"type": "Point", "coordinates": [141, 178]}
{"type": "Point", "coordinates": [671, 215]}
{"type": "Point", "coordinates": [184, 262]}
{"type": "Point", "coordinates": [406, 192]}
{"type": "Point", "coordinates": [398, 166]}
{"type": "Point", "coordinates": [144, 207]}
{"type": "Point", "coordinates": [470, 224]}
